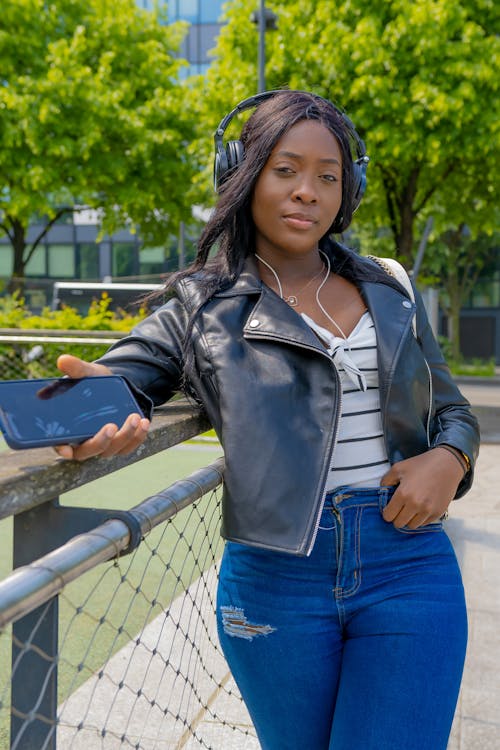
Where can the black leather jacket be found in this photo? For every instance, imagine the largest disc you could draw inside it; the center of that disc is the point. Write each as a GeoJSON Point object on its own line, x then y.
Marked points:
{"type": "Point", "coordinates": [272, 394]}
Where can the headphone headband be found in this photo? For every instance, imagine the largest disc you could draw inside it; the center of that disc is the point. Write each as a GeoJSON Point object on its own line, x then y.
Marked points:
{"type": "Point", "coordinates": [228, 157]}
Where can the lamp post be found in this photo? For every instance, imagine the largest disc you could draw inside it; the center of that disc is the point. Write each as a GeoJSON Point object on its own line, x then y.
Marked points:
{"type": "Point", "coordinates": [265, 20]}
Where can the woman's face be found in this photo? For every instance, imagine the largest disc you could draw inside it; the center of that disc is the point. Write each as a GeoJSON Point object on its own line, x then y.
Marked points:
{"type": "Point", "coordinates": [298, 193]}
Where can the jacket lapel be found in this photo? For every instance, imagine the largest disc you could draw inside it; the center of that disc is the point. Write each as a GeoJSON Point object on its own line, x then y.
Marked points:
{"type": "Point", "coordinates": [271, 318]}
{"type": "Point", "coordinates": [392, 313]}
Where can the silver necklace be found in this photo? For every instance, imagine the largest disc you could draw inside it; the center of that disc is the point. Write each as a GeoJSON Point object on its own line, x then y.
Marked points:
{"type": "Point", "coordinates": [292, 299]}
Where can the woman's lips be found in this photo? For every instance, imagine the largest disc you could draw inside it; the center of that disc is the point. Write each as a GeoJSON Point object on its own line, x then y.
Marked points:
{"type": "Point", "coordinates": [299, 221]}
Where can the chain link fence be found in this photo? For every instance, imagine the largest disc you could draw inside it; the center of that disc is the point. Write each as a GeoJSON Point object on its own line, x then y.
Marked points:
{"type": "Point", "coordinates": [138, 663]}
{"type": "Point", "coordinates": [33, 354]}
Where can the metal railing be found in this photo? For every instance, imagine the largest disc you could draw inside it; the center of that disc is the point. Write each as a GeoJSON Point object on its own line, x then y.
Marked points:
{"type": "Point", "coordinates": [111, 613]}
{"type": "Point", "coordinates": [32, 353]}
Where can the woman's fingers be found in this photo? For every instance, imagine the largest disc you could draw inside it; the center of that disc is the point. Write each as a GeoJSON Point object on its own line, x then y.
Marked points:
{"type": "Point", "coordinates": [129, 437]}
{"type": "Point", "coordinates": [110, 440]}
{"type": "Point", "coordinates": [426, 485]}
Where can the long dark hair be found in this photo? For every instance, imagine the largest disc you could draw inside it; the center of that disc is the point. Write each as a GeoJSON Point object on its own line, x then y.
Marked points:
{"type": "Point", "coordinates": [230, 229]}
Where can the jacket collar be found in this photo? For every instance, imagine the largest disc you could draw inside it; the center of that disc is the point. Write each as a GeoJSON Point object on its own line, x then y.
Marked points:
{"type": "Point", "coordinates": [248, 282]}
{"type": "Point", "coordinates": [391, 310]}
{"type": "Point", "coordinates": [270, 318]}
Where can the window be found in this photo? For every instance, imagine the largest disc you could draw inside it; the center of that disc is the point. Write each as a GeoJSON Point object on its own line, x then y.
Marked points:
{"type": "Point", "coordinates": [185, 9]}
{"type": "Point", "coordinates": [151, 261]}
{"type": "Point", "coordinates": [87, 254]}
{"type": "Point", "coordinates": [37, 263]}
{"type": "Point", "coordinates": [6, 261]}
{"type": "Point", "coordinates": [124, 259]}
{"type": "Point", "coordinates": [195, 11]}
{"type": "Point", "coordinates": [61, 261]}
{"type": "Point", "coordinates": [211, 11]}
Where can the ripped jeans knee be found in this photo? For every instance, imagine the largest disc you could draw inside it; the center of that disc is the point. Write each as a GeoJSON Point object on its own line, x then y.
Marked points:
{"type": "Point", "coordinates": [235, 624]}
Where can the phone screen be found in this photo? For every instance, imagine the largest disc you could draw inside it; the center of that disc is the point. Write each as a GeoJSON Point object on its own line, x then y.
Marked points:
{"type": "Point", "coordinates": [62, 410]}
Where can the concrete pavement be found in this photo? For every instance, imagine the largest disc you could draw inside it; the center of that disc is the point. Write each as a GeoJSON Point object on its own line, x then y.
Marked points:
{"type": "Point", "coordinates": [474, 527]}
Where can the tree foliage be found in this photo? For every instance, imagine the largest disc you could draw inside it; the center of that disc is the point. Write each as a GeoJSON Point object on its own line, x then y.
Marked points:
{"type": "Point", "coordinates": [91, 114]}
{"type": "Point", "coordinates": [419, 78]}
{"type": "Point", "coordinates": [459, 260]}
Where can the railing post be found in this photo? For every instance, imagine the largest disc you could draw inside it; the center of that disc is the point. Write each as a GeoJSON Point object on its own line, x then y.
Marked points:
{"type": "Point", "coordinates": [34, 669]}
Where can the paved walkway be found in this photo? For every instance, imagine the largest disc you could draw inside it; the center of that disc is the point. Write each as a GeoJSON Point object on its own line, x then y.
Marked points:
{"type": "Point", "coordinates": [474, 527]}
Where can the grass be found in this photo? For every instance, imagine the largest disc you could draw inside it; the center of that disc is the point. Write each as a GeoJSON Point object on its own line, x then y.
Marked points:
{"type": "Point", "coordinates": [118, 599]}
{"type": "Point", "coordinates": [474, 368]}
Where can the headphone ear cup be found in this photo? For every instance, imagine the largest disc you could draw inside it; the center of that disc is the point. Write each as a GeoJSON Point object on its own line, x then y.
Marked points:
{"type": "Point", "coordinates": [226, 159]}
{"type": "Point", "coordinates": [359, 183]}
{"type": "Point", "coordinates": [235, 153]}
{"type": "Point", "coordinates": [220, 165]}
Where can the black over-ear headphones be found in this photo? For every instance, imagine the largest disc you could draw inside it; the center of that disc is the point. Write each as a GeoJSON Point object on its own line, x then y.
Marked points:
{"type": "Point", "coordinates": [229, 156]}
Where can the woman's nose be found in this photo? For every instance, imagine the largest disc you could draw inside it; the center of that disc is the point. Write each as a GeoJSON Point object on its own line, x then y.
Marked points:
{"type": "Point", "coordinates": [304, 192]}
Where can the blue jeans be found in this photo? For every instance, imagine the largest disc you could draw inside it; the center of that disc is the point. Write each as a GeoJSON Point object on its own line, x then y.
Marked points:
{"type": "Point", "coordinates": [359, 646]}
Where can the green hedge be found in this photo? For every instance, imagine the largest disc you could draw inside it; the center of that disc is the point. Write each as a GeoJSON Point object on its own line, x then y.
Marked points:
{"type": "Point", "coordinates": [16, 361]}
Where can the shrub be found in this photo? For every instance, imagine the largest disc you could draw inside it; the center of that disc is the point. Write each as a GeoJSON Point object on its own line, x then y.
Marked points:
{"type": "Point", "coordinates": [31, 360]}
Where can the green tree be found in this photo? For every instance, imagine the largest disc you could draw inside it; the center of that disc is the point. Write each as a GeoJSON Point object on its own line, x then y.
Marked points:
{"type": "Point", "coordinates": [458, 260]}
{"type": "Point", "coordinates": [419, 78]}
{"type": "Point", "coordinates": [91, 113]}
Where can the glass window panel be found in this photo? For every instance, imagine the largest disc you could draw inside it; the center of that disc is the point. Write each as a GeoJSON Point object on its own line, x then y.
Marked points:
{"type": "Point", "coordinates": [189, 10]}
{"type": "Point", "coordinates": [206, 41]}
{"type": "Point", "coordinates": [88, 256]}
{"type": "Point", "coordinates": [211, 10]}
{"type": "Point", "coordinates": [151, 261]}
{"type": "Point", "coordinates": [37, 263]}
{"type": "Point", "coordinates": [124, 256]}
{"type": "Point", "coordinates": [6, 261]}
{"type": "Point", "coordinates": [61, 261]}
{"type": "Point", "coordinates": [486, 293]}
{"type": "Point", "coordinates": [173, 10]}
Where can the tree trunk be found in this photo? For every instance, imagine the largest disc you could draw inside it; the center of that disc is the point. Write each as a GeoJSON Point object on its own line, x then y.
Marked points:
{"type": "Point", "coordinates": [401, 205]}
{"type": "Point", "coordinates": [18, 240]}
{"type": "Point", "coordinates": [404, 238]}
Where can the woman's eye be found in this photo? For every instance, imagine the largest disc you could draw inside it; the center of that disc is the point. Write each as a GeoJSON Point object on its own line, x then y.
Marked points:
{"type": "Point", "coordinates": [329, 177]}
{"type": "Point", "coordinates": [284, 170]}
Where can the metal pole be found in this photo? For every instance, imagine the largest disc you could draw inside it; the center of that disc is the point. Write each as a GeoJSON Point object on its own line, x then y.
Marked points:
{"type": "Point", "coordinates": [421, 247]}
{"type": "Point", "coordinates": [182, 246]}
{"type": "Point", "coordinates": [262, 46]}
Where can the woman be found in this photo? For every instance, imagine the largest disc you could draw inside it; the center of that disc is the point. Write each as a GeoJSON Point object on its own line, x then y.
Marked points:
{"type": "Point", "coordinates": [340, 604]}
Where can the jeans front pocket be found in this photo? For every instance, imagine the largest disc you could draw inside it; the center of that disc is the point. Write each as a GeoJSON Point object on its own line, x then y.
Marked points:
{"type": "Point", "coordinates": [426, 529]}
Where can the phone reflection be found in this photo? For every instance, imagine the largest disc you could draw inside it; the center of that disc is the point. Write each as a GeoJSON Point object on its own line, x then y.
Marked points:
{"type": "Point", "coordinates": [57, 388]}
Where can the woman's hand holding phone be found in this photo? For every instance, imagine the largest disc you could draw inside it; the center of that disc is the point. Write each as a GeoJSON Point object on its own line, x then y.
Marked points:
{"type": "Point", "coordinates": [112, 439]}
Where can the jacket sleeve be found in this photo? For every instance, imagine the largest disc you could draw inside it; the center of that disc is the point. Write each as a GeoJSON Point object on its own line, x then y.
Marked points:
{"type": "Point", "coordinates": [453, 423]}
{"type": "Point", "coordinates": [150, 358]}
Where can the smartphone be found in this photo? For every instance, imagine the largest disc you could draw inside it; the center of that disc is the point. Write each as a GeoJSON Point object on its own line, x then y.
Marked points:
{"type": "Point", "coordinates": [55, 411]}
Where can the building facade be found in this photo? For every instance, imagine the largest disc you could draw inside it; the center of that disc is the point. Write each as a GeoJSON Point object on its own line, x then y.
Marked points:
{"type": "Point", "coordinates": [204, 18]}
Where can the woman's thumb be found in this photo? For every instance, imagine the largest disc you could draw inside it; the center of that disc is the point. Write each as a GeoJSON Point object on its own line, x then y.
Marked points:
{"type": "Point", "coordinates": [74, 367]}
{"type": "Point", "coordinates": [390, 478]}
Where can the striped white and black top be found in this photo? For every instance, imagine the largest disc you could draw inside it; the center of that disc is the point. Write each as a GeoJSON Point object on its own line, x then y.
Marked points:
{"type": "Point", "coordinates": [359, 457]}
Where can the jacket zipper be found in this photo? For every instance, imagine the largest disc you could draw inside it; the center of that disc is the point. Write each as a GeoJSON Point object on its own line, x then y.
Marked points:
{"type": "Point", "coordinates": [431, 397]}
{"type": "Point", "coordinates": [335, 427]}
{"type": "Point", "coordinates": [330, 454]}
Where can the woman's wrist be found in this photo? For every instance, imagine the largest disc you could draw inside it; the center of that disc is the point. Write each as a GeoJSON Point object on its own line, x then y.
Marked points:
{"type": "Point", "coordinates": [460, 456]}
